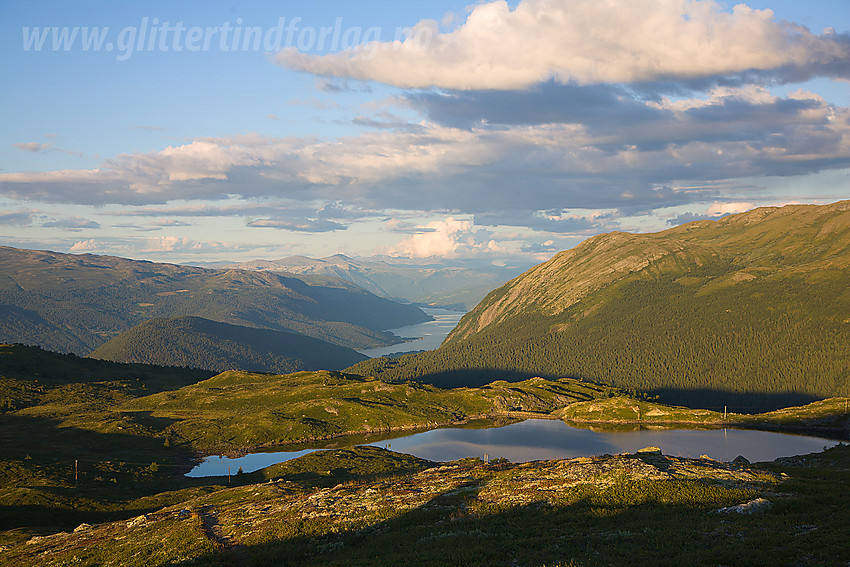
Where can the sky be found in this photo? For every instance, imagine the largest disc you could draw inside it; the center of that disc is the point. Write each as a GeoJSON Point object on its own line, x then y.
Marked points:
{"type": "Point", "coordinates": [497, 131]}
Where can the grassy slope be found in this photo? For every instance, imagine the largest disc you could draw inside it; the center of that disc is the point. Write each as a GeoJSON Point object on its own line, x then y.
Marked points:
{"type": "Point", "coordinates": [75, 303]}
{"type": "Point", "coordinates": [134, 430]}
{"type": "Point", "coordinates": [751, 311]}
{"type": "Point", "coordinates": [56, 409]}
{"type": "Point", "coordinates": [830, 414]}
{"type": "Point", "coordinates": [115, 419]}
{"type": "Point", "coordinates": [235, 410]}
{"type": "Point", "coordinates": [200, 343]}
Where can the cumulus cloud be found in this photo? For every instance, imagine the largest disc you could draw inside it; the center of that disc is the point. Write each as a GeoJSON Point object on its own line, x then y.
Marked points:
{"type": "Point", "coordinates": [586, 42]}
{"type": "Point", "coordinates": [90, 245]}
{"type": "Point", "coordinates": [183, 245]}
{"type": "Point", "coordinates": [673, 152]}
{"type": "Point", "coordinates": [451, 238]}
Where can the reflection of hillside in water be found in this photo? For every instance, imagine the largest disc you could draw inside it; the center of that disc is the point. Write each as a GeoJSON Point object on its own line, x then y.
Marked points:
{"type": "Point", "coordinates": [543, 439]}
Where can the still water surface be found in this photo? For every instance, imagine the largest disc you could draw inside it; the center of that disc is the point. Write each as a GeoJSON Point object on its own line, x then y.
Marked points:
{"type": "Point", "coordinates": [428, 335]}
{"type": "Point", "coordinates": [537, 439]}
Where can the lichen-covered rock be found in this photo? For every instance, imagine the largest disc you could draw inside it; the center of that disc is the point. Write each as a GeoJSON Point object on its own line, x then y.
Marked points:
{"type": "Point", "coordinates": [752, 507]}
{"type": "Point", "coordinates": [649, 451]}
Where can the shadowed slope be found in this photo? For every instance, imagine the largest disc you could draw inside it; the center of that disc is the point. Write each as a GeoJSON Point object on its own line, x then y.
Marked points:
{"type": "Point", "coordinates": [201, 343]}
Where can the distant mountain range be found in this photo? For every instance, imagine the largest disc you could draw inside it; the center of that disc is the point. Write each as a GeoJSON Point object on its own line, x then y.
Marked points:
{"type": "Point", "coordinates": [200, 343]}
{"type": "Point", "coordinates": [752, 309]}
{"type": "Point", "coordinates": [455, 286]}
{"type": "Point", "coordinates": [76, 303]}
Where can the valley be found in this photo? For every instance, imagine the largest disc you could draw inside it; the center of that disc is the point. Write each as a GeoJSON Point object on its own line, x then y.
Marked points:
{"type": "Point", "coordinates": [738, 323]}
{"type": "Point", "coordinates": [76, 303]}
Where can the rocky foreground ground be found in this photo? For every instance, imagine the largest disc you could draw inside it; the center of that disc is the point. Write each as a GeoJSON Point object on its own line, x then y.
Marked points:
{"type": "Point", "coordinates": [611, 509]}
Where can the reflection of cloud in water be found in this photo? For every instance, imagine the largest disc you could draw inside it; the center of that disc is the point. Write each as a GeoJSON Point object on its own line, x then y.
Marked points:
{"type": "Point", "coordinates": [218, 465]}
{"type": "Point", "coordinates": [549, 439]}
{"type": "Point", "coordinates": [537, 439]}
{"type": "Point", "coordinates": [526, 441]}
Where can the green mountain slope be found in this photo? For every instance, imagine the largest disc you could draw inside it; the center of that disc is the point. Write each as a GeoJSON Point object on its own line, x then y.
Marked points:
{"type": "Point", "coordinates": [753, 309]}
{"type": "Point", "coordinates": [200, 343]}
{"type": "Point", "coordinates": [75, 303]}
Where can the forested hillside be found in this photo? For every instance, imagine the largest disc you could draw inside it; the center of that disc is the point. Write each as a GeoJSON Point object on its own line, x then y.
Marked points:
{"type": "Point", "coordinates": [77, 302]}
{"type": "Point", "coordinates": [200, 343]}
{"type": "Point", "coordinates": [750, 311]}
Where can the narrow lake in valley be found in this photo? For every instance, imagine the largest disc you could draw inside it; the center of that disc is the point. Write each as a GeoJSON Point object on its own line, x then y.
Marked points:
{"type": "Point", "coordinates": [537, 439]}
{"type": "Point", "coordinates": [427, 335]}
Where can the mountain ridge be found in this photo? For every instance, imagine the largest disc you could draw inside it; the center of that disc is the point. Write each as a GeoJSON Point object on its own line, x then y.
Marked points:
{"type": "Point", "coordinates": [633, 253]}
{"type": "Point", "coordinates": [75, 303]}
{"type": "Point", "coordinates": [753, 306]}
{"type": "Point", "coordinates": [440, 285]}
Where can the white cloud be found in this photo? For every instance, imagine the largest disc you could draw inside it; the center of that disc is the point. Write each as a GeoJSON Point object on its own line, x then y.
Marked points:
{"type": "Point", "coordinates": [674, 155]}
{"type": "Point", "coordinates": [178, 244]}
{"type": "Point", "coordinates": [752, 94]}
{"type": "Point", "coordinates": [451, 238]}
{"type": "Point", "coordinates": [89, 245]}
{"type": "Point", "coordinates": [584, 42]}
{"type": "Point", "coordinates": [204, 159]}
{"type": "Point", "coordinates": [718, 209]}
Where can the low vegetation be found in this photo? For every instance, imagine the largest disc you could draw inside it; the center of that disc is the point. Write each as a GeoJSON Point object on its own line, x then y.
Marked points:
{"type": "Point", "coordinates": [832, 415]}
{"type": "Point", "coordinates": [94, 453]}
{"type": "Point", "coordinates": [643, 509]}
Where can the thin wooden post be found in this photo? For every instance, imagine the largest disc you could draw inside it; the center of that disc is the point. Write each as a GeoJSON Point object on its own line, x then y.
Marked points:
{"type": "Point", "coordinates": [724, 413]}
{"type": "Point", "coordinates": [76, 472]}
